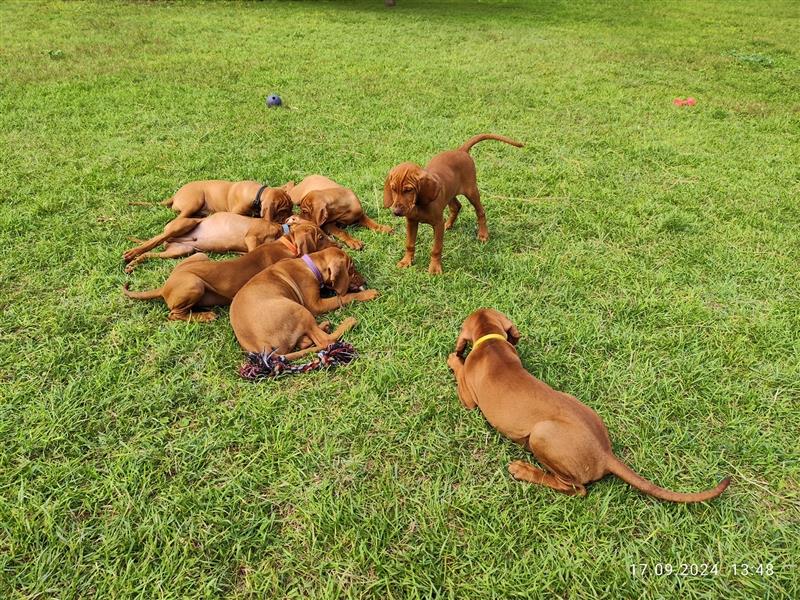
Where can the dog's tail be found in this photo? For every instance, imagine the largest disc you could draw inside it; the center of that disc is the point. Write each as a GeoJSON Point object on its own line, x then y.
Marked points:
{"type": "Point", "coordinates": [621, 470]}
{"type": "Point", "coordinates": [145, 295]}
{"type": "Point", "coordinates": [465, 147]}
{"type": "Point", "coordinates": [167, 202]}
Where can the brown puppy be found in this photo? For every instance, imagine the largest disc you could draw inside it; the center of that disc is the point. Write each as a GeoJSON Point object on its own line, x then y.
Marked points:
{"type": "Point", "coordinates": [240, 197]}
{"type": "Point", "coordinates": [564, 435]}
{"type": "Point", "coordinates": [420, 196]}
{"type": "Point", "coordinates": [220, 232]}
{"type": "Point", "coordinates": [198, 281]}
{"type": "Point", "coordinates": [333, 206]}
{"type": "Point", "coordinates": [309, 184]}
{"type": "Point", "coordinates": [276, 309]}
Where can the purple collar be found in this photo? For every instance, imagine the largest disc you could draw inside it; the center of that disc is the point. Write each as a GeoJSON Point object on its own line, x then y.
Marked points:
{"type": "Point", "coordinates": [310, 263]}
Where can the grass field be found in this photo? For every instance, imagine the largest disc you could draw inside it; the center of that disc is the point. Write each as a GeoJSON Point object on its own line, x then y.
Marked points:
{"type": "Point", "coordinates": [648, 253]}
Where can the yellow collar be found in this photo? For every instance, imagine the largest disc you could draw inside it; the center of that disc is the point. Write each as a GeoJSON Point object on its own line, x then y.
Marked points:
{"type": "Point", "coordinates": [486, 338]}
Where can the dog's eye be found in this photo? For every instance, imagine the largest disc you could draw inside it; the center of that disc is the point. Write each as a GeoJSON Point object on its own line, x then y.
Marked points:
{"type": "Point", "coordinates": [408, 190]}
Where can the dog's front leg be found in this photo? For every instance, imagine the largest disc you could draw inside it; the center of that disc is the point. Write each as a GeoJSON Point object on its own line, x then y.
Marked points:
{"type": "Point", "coordinates": [411, 243]}
{"type": "Point", "coordinates": [435, 268]}
{"type": "Point", "coordinates": [325, 305]}
{"type": "Point", "coordinates": [456, 363]}
{"type": "Point", "coordinates": [353, 243]}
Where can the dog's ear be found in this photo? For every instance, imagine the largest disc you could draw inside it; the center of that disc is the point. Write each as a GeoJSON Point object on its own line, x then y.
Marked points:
{"type": "Point", "coordinates": [267, 211]}
{"type": "Point", "coordinates": [428, 188]}
{"type": "Point", "coordinates": [321, 240]}
{"type": "Point", "coordinates": [387, 192]}
{"type": "Point", "coordinates": [338, 277]}
{"type": "Point", "coordinates": [512, 333]}
{"type": "Point", "coordinates": [284, 210]}
{"type": "Point", "coordinates": [304, 239]}
{"type": "Point", "coordinates": [288, 186]}
{"type": "Point", "coordinates": [319, 213]}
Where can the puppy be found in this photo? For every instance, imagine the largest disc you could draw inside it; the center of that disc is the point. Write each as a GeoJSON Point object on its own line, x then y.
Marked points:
{"type": "Point", "coordinates": [198, 281]}
{"type": "Point", "coordinates": [219, 232]}
{"type": "Point", "coordinates": [564, 435]}
{"type": "Point", "coordinates": [333, 206]}
{"type": "Point", "coordinates": [276, 309]}
{"type": "Point", "coordinates": [309, 184]}
{"type": "Point", "coordinates": [239, 197]}
{"type": "Point", "coordinates": [420, 195]}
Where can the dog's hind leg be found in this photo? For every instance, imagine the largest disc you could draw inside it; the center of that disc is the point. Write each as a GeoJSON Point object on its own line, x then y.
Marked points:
{"type": "Point", "coordinates": [322, 339]}
{"type": "Point", "coordinates": [182, 292]}
{"type": "Point", "coordinates": [474, 196]}
{"type": "Point", "coordinates": [524, 471]}
{"type": "Point", "coordinates": [455, 208]}
{"type": "Point", "coordinates": [174, 228]}
{"type": "Point", "coordinates": [171, 250]}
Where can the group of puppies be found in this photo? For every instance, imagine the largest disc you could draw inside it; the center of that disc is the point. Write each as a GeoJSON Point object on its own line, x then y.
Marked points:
{"type": "Point", "coordinates": [275, 288]}
{"type": "Point", "coordinates": [276, 293]}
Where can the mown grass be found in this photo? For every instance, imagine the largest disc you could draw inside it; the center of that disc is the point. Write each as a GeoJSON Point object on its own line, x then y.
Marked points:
{"type": "Point", "coordinates": [648, 253]}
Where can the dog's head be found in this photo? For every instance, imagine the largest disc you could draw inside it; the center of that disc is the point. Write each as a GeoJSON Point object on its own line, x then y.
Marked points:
{"type": "Point", "coordinates": [276, 205]}
{"type": "Point", "coordinates": [314, 208]}
{"type": "Point", "coordinates": [308, 237]}
{"type": "Point", "coordinates": [484, 321]}
{"type": "Point", "coordinates": [340, 272]}
{"type": "Point", "coordinates": [408, 186]}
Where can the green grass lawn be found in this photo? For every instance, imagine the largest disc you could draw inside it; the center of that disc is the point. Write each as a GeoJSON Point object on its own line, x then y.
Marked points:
{"type": "Point", "coordinates": [648, 253]}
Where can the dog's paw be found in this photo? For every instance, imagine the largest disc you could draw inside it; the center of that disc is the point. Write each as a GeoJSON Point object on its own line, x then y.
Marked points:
{"type": "Point", "coordinates": [355, 245]}
{"type": "Point", "coordinates": [203, 316]}
{"type": "Point", "coordinates": [483, 236]}
{"type": "Point", "coordinates": [454, 361]}
{"type": "Point", "coordinates": [367, 295]}
{"type": "Point", "coordinates": [404, 263]}
{"type": "Point", "coordinates": [435, 268]}
{"type": "Point", "coordinates": [349, 322]}
{"type": "Point", "coordinates": [518, 469]}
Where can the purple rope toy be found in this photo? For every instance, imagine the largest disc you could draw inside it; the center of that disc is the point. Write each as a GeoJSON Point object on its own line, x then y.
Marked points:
{"type": "Point", "coordinates": [263, 365]}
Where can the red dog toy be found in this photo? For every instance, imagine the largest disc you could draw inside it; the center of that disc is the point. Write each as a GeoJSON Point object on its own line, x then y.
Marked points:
{"type": "Point", "coordinates": [681, 102]}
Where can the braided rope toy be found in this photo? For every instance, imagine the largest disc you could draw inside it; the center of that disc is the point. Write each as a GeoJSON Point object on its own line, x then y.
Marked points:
{"type": "Point", "coordinates": [264, 365]}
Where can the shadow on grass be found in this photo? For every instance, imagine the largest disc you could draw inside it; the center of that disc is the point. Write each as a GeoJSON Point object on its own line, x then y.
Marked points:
{"type": "Point", "coordinates": [510, 11]}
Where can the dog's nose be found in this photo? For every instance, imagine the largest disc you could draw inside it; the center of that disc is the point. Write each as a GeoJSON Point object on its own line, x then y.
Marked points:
{"type": "Point", "coordinates": [398, 211]}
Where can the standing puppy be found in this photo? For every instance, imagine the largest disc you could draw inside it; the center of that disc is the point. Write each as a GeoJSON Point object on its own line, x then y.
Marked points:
{"type": "Point", "coordinates": [564, 435]}
{"type": "Point", "coordinates": [420, 195]}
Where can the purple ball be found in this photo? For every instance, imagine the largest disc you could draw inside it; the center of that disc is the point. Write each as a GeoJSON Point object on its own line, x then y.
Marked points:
{"type": "Point", "coordinates": [274, 100]}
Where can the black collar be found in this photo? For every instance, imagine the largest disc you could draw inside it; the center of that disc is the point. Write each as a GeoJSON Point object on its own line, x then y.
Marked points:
{"type": "Point", "coordinates": [257, 201]}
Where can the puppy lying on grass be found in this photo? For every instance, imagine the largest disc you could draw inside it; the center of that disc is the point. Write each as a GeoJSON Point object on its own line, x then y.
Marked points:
{"type": "Point", "coordinates": [277, 309]}
{"type": "Point", "coordinates": [332, 207]}
{"type": "Point", "coordinates": [564, 435]}
{"type": "Point", "coordinates": [199, 198]}
{"type": "Point", "coordinates": [200, 282]}
{"type": "Point", "coordinates": [220, 232]}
